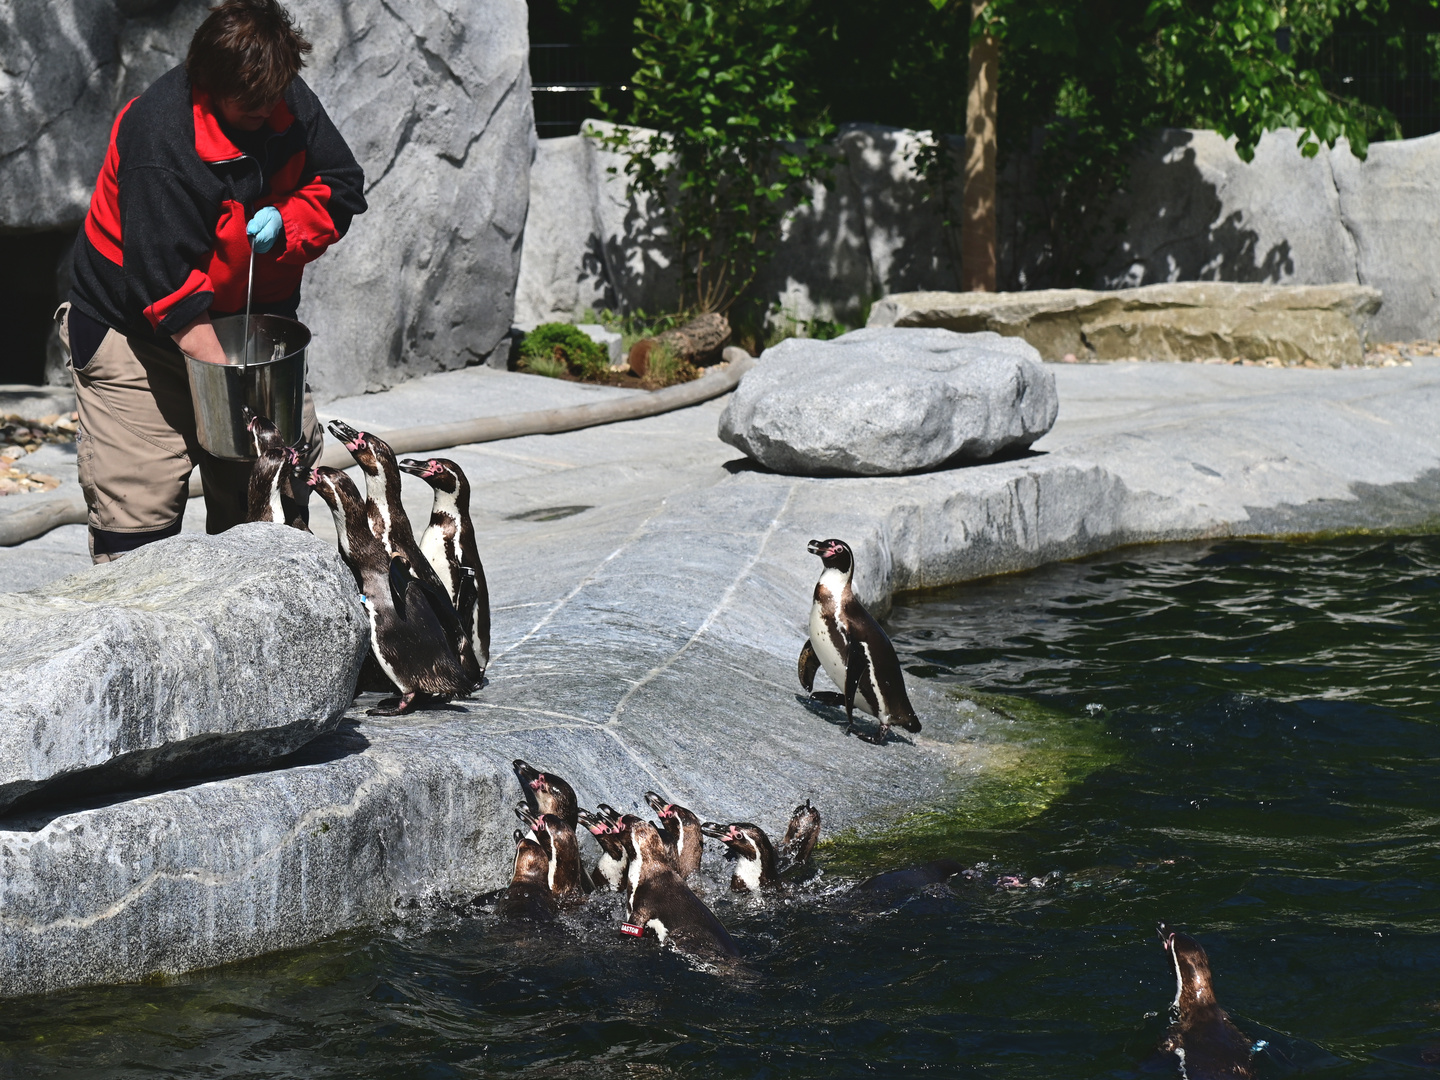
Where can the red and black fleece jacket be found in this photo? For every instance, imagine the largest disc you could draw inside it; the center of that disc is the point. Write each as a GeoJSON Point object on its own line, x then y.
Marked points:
{"type": "Point", "coordinates": [164, 241]}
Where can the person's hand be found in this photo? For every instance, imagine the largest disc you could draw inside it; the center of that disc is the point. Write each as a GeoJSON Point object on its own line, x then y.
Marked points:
{"type": "Point", "coordinates": [265, 228]}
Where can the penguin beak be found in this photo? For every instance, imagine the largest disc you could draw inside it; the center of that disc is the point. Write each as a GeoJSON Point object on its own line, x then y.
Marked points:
{"type": "Point", "coordinates": [814, 546]}
{"type": "Point", "coordinates": [715, 830]}
{"type": "Point", "coordinates": [414, 467]}
{"type": "Point", "coordinates": [346, 434]}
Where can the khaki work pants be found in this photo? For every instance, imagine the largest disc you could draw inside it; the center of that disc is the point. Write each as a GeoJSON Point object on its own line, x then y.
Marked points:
{"type": "Point", "coordinates": [136, 447]}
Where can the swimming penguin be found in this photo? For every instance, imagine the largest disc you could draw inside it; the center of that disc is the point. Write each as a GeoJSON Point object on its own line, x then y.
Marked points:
{"type": "Point", "coordinates": [662, 903]}
{"type": "Point", "coordinates": [406, 638]}
{"type": "Point", "coordinates": [800, 837]}
{"type": "Point", "coordinates": [529, 895]}
{"type": "Point", "coordinates": [272, 460]}
{"type": "Point", "coordinates": [914, 877]}
{"type": "Point", "coordinates": [565, 878]}
{"type": "Point", "coordinates": [449, 543]}
{"type": "Point", "coordinates": [754, 855]}
{"type": "Point", "coordinates": [609, 872]}
{"type": "Point", "coordinates": [1207, 1045]}
{"type": "Point", "coordinates": [391, 526]}
{"type": "Point", "coordinates": [681, 830]}
{"type": "Point", "coordinates": [547, 793]}
{"type": "Point", "coordinates": [852, 648]}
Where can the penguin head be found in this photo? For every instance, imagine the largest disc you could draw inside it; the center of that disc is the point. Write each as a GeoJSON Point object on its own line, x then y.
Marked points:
{"type": "Point", "coordinates": [334, 487]}
{"type": "Point", "coordinates": [741, 839]}
{"type": "Point", "coordinates": [647, 846]}
{"type": "Point", "coordinates": [835, 554]}
{"type": "Point", "coordinates": [1191, 965]}
{"type": "Point", "coordinates": [440, 473]}
{"type": "Point", "coordinates": [361, 444]}
{"type": "Point", "coordinates": [264, 435]}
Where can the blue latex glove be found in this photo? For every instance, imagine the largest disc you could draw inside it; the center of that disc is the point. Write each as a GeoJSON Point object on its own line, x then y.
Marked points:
{"type": "Point", "coordinates": [265, 228]}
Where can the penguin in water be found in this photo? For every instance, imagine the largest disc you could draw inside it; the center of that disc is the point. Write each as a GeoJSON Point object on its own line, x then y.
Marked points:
{"type": "Point", "coordinates": [448, 542]}
{"type": "Point", "coordinates": [529, 895]}
{"type": "Point", "coordinates": [681, 830]}
{"type": "Point", "coordinates": [663, 904]}
{"type": "Point", "coordinates": [1202, 1038]}
{"type": "Point", "coordinates": [406, 638]}
{"type": "Point", "coordinates": [564, 876]}
{"type": "Point", "coordinates": [609, 833]}
{"type": "Point", "coordinates": [546, 793]}
{"type": "Point", "coordinates": [391, 526]}
{"type": "Point", "coordinates": [756, 867]}
{"type": "Point", "coordinates": [273, 459]}
{"type": "Point", "coordinates": [852, 648]}
{"type": "Point", "coordinates": [800, 836]}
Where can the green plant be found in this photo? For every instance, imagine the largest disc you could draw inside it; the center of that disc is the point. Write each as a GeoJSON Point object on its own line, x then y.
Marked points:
{"type": "Point", "coordinates": [734, 144]}
{"type": "Point", "coordinates": [556, 349]}
{"type": "Point", "coordinates": [665, 368]}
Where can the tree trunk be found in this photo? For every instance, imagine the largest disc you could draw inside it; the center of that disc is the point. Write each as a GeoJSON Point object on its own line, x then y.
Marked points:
{"type": "Point", "coordinates": [977, 235]}
{"type": "Point", "coordinates": [698, 341]}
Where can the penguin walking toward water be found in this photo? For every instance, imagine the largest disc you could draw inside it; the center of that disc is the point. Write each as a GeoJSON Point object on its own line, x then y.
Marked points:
{"type": "Point", "coordinates": [448, 542]}
{"type": "Point", "coordinates": [273, 460]}
{"type": "Point", "coordinates": [1205, 1043]}
{"type": "Point", "coordinates": [756, 867]}
{"type": "Point", "coordinates": [406, 636]}
{"type": "Point", "coordinates": [660, 902]}
{"type": "Point", "coordinates": [681, 830]}
{"type": "Point", "coordinates": [391, 526]}
{"type": "Point", "coordinates": [853, 649]}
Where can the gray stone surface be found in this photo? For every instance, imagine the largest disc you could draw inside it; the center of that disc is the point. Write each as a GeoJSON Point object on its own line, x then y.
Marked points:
{"type": "Point", "coordinates": [889, 401]}
{"type": "Point", "coordinates": [608, 338]}
{"type": "Point", "coordinates": [646, 638]}
{"type": "Point", "coordinates": [1323, 324]}
{"type": "Point", "coordinates": [1387, 202]}
{"type": "Point", "coordinates": [191, 656]}
{"type": "Point", "coordinates": [433, 97]}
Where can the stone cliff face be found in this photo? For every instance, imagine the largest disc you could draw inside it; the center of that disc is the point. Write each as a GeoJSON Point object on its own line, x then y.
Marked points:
{"type": "Point", "coordinates": [434, 99]}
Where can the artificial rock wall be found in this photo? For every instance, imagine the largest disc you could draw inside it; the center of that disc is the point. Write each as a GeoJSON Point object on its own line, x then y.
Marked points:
{"type": "Point", "coordinates": [1191, 211]}
{"type": "Point", "coordinates": [433, 97]}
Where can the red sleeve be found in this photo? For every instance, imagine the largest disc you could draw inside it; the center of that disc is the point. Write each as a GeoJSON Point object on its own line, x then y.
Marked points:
{"type": "Point", "coordinates": [309, 229]}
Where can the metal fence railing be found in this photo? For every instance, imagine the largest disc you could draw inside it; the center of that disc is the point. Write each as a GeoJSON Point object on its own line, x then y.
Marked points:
{"type": "Point", "coordinates": [564, 78]}
{"type": "Point", "coordinates": [1399, 72]}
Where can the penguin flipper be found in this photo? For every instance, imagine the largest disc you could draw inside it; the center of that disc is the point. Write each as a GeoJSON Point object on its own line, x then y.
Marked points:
{"type": "Point", "coordinates": [809, 664]}
{"type": "Point", "coordinates": [400, 579]}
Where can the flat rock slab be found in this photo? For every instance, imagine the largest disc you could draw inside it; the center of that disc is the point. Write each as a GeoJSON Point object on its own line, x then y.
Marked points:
{"type": "Point", "coordinates": [192, 656]}
{"type": "Point", "coordinates": [885, 402]}
{"type": "Point", "coordinates": [1199, 320]}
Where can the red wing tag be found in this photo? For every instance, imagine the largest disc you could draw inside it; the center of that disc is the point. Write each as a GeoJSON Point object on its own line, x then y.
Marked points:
{"type": "Point", "coordinates": [632, 929]}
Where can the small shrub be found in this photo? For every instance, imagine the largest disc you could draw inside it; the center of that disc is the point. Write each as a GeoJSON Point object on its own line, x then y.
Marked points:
{"type": "Point", "coordinates": [555, 349]}
{"type": "Point", "coordinates": [665, 368]}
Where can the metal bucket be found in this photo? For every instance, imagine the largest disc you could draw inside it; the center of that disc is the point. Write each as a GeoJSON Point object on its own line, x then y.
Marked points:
{"type": "Point", "coordinates": [272, 383]}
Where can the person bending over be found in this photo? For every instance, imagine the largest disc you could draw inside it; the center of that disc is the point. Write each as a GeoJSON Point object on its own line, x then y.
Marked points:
{"type": "Point", "coordinates": [229, 150]}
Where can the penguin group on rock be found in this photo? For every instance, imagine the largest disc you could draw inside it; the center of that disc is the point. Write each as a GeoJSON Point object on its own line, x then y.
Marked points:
{"type": "Point", "coordinates": [654, 865]}
{"type": "Point", "coordinates": [427, 602]}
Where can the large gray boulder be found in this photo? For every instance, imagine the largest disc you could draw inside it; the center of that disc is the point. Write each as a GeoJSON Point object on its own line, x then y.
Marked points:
{"type": "Point", "coordinates": [880, 402]}
{"type": "Point", "coordinates": [433, 97]}
{"type": "Point", "coordinates": [1326, 325]}
{"type": "Point", "coordinates": [191, 656]}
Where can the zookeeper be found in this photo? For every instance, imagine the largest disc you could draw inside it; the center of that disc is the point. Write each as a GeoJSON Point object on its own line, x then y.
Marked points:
{"type": "Point", "coordinates": [228, 150]}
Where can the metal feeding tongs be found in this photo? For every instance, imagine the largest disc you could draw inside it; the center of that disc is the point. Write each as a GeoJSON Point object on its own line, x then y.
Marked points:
{"type": "Point", "coordinates": [245, 330]}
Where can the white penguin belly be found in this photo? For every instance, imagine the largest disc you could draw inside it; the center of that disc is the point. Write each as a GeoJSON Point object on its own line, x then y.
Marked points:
{"type": "Point", "coordinates": [825, 651]}
{"type": "Point", "coordinates": [432, 546]}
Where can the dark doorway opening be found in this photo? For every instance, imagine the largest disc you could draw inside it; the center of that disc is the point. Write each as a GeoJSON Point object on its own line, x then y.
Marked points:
{"type": "Point", "coordinates": [34, 278]}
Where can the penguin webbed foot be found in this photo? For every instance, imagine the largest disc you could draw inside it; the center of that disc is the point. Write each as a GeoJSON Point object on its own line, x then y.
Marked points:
{"type": "Point", "coordinates": [406, 703]}
{"type": "Point", "coordinates": [878, 738]}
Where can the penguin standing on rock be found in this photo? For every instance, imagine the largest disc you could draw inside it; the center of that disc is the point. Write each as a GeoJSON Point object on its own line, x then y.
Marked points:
{"type": "Point", "coordinates": [391, 527]}
{"type": "Point", "coordinates": [1202, 1038]}
{"type": "Point", "coordinates": [448, 542]}
{"type": "Point", "coordinates": [855, 652]}
{"type": "Point", "coordinates": [406, 638]}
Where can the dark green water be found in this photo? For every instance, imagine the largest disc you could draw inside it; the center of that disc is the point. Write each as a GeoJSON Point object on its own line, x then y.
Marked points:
{"type": "Point", "coordinates": [1259, 730]}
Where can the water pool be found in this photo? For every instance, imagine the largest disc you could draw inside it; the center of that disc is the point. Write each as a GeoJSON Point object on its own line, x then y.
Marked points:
{"type": "Point", "coordinates": [1264, 723]}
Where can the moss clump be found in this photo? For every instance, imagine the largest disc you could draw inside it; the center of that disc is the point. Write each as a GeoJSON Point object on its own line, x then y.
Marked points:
{"type": "Point", "coordinates": [555, 349]}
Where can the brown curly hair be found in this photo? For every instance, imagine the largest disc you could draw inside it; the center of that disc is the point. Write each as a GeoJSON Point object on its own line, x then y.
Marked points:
{"type": "Point", "coordinates": [246, 51]}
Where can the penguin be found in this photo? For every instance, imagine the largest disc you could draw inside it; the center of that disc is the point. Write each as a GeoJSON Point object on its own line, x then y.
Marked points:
{"type": "Point", "coordinates": [406, 638]}
{"type": "Point", "coordinates": [681, 830]}
{"type": "Point", "coordinates": [852, 648]}
{"type": "Point", "coordinates": [565, 878]}
{"type": "Point", "coordinates": [1202, 1038]}
{"type": "Point", "coordinates": [754, 855]}
{"type": "Point", "coordinates": [272, 461]}
{"type": "Point", "coordinates": [449, 543]}
{"type": "Point", "coordinates": [800, 836]}
{"type": "Point", "coordinates": [609, 872]}
{"type": "Point", "coordinates": [662, 903]}
{"type": "Point", "coordinates": [391, 526]}
{"type": "Point", "coordinates": [914, 877]}
{"type": "Point", "coordinates": [529, 895]}
{"type": "Point", "coordinates": [546, 793]}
